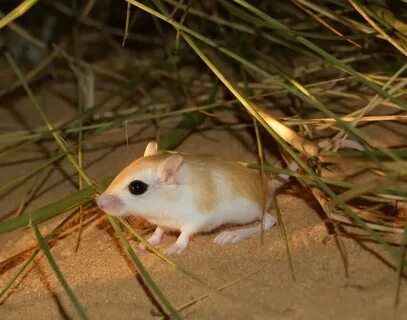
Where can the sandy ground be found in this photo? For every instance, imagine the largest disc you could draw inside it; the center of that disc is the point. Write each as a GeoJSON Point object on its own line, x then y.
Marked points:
{"type": "Point", "coordinates": [257, 276]}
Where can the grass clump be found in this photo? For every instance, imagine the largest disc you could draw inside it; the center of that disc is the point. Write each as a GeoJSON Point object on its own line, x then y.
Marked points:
{"type": "Point", "coordinates": [310, 76]}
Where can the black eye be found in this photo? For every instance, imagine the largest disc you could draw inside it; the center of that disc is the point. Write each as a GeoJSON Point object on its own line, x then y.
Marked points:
{"type": "Point", "coordinates": [138, 187]}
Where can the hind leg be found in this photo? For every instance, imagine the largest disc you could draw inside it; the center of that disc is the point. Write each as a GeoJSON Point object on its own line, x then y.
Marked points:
{"type": "Point", "coordinates": [242, 234]}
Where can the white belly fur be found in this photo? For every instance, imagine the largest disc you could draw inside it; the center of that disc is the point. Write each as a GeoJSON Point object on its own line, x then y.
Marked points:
{"type": "Point", "coordinates": [239, 211]}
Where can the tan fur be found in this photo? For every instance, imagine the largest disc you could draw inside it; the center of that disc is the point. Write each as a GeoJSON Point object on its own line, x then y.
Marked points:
{"type": "Point", "coordinates": [205, 174]}
{"type": "Point", "coordinates": [246, 183]}
{"type": "Point", "coordinates": [243, 182]}
{"type": "Point", "coordinates": [203, 183]}
{"type": "Point", "coordinates": [152, 161]}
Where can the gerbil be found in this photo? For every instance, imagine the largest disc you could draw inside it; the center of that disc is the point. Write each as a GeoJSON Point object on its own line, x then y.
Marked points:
{"type": "Point", "coordinates": [191, 194]}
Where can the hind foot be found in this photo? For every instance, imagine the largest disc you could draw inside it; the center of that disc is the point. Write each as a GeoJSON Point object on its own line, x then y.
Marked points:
{"type": "Point", "coordinates": [242, 234]}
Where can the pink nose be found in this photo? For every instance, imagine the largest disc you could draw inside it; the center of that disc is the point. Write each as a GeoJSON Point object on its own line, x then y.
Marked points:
{"type": "Point", "coordinates": [109, 203]}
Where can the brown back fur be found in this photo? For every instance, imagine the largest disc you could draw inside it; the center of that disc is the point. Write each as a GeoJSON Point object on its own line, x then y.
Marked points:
{"type": "Point", "coordinates": [205, 171]}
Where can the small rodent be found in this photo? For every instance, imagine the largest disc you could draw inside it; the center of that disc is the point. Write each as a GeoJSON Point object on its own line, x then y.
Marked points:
{"type": "Point", "coordinates": [191, 194]}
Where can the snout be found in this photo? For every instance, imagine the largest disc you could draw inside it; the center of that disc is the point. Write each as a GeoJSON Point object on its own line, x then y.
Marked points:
{"type": "Point", "coordinates": [110, 204]}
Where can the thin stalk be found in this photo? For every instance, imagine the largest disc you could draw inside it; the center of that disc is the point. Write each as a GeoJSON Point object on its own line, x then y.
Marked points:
{"type": "Point", "coordinates": [44, 117]}
{"type": "Point", "coordinates": [18, 11]}
{"type": "Point", "coordinates": [148, 280]}
{"type": "Point", "coordinates": [283, 234]}
{"type": "Point", "coordinates": [44, 247]}
{"type": "Point", "coordinates": [51, 210]}
{"type": "Point", "coordinates": [32, 257]}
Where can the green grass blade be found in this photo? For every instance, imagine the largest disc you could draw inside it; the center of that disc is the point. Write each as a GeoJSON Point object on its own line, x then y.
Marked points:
{"type": "Point", "coordinates": [381, 154]}
{"type": "Point", "coordinates": [148, 280]}
{"type": "Point", "coordinates": [158, 253]}
{"type": "Point", "coordinates": [32, 257]}
{"type": "Point", "coordinates": [22, 8]}
{"type": "Point", "coordinates": [363, 12]}
{"type": "Point", "coordinates": [284, 235]}
{"type": "Point", "coordinates": [318, 180]}
{"type": "Point", "coordinates": [19, 273]}
{"type": "Point", "coordinates": [342, 66]}
{"type": "Point", "coordinates": [327, 56]}
{"type": "Point", "coordinates": [276, 79]}
{"type": "Point", "coordinates": [49, 211]}
{"type": "Point", "coordinates": [44, 247]}
{"type": "Point", "coordinates": [28, 175]}
{"type": "Point", "coordinates": [301, 163]}
{"type": "Point", "coordinates": [187, 125]}
{"type": "Point", "coordinates": [126, 28]}
{"type": "Point", "coordinates": [68, 153]}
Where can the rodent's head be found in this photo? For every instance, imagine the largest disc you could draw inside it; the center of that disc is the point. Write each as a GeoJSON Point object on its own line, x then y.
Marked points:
{"type": "Point", "coordinates": [139, 186]}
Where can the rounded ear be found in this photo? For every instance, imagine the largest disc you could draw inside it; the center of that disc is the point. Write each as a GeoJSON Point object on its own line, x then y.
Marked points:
{"type": "Point", "coordinates": [151, 149]}
{"type": "Point", "coordinates": [168, 169]}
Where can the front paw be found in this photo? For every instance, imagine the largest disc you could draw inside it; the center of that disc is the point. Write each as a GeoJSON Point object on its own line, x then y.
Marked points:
{"type": "Point", "coordinates": [142, 246]}
{"type": "Point", "coordinates": [153, 240]}
{"type": "Point", "coordinates": [176, 248]}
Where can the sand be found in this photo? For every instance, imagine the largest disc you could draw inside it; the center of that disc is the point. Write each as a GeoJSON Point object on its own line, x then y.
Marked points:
{"type": "Point", "coordinates": [259, 284]}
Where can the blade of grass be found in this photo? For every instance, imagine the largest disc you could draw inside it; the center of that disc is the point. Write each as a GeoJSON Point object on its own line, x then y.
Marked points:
{"type": "Point", "coordinates": [31, 74]}
{"type": "Point", "coordinates": [342, 66]}
{"type": "Point", "coordinates": [17, 12]}
{"type": "Point", "coordinates": [271, 124]}
{"type": "Point", "coordinates": [148, 280]}
{"type": "Point", "coordinates": [24, 177]}
{"type": "Point", "coordinates": [300, 143]}
{"type": "Point", "coordinates": [307, 94]}
{"type": "Point", "coordinates": [158, 253]}
{"type": "Point", "coordinates": [284, 235]}
{"type": "Point", "coordinates": [324, 23]}
{"type": "Point", "coordinates": [53, 209]}
{"type": "Point", "coordinates": [316, 102]}
{"type": "Point", "coordinates": [24, 34]}
{"type": "Point", "coordinates": [85, 94]}
{"type": "Point", "coordinates": [342, 249]}
{"type": "Point", "coordinates": [361, 190]}
{"type": "Point", "coordinates": [328, 57]}
{"type": "Point", "coordinates": [44, 247]}
{"type": "Point", "coordinates": [51, 129]}
{"type": "Point", "coordinates": [320, 183]}
{"type": "Point", "coordinates": [187, 125]}
{"type": "Point", "coordinates": [375, 26]}
{"type": "Point", "coordinates": [225, 286]}
{"type": "Point", "coordinates": [126, 26]}
{"type": "Point", "coordinates": [34, 254]}
{"type": "Point", "coordinates": [310, 181]}
{"type": "Point", "coordinates": [72, 123]}
{"type": "Point", "coordinates": [323, 186]}
{"type": "Point", "coordinates": [263, 177]}
{"type": "Point", "coordinates": [345, 20]}
{"type": "Point", "coordinates": [382, 154]}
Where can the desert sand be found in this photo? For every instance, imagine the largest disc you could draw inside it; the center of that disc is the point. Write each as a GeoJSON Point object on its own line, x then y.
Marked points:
{"type": "Point", "coordinates": [246, 280]}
